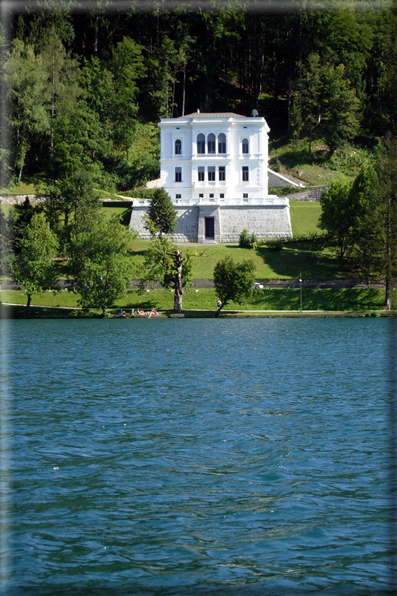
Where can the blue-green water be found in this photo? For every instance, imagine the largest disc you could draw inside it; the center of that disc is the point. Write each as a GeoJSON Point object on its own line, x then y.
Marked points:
{"type": "Point", "coordinates": [196, 456]}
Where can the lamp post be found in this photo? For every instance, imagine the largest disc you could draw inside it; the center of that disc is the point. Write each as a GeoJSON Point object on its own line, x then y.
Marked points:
{"type": "Point", "coordinates": [300, 286]}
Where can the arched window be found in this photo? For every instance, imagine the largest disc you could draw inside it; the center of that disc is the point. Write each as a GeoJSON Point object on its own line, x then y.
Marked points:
{"type": "Point", "coordinates": [211, 143]}
{"type": "Point", "coordinates": [201, 143]}
{"type": "Point", "coordinates": [245, 146]}
{"type": "Point", "coordinates": [178, 147]}
{"type": "Point", "coordinates": [221, 143]}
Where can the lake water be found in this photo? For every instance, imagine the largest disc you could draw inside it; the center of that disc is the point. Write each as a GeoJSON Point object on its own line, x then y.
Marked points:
{"type": "Point", "coordinates": [196, 457]}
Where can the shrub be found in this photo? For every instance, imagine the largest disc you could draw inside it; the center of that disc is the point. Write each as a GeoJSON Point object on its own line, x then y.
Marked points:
{"type": "Point", "coordinates": [244, 240]}
{"type": "Point", "coordinates": [317, 241]}
{"type": "Point", "coordinates": [275, 244]}
{"type": "Point", "coordinates": [253, 239]}
{"type": "Point", "coordinates": [277, 166]}
{"type": "Point", "coordinates": [247, 241]}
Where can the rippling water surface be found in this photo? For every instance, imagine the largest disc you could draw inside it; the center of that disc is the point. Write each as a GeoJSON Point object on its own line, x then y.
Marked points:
{"type": "Point", "coordinates": [196, 456]}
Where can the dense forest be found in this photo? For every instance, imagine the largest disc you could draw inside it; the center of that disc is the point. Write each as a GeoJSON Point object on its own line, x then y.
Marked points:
{"type": "Point", "coordinates": [84, 88]}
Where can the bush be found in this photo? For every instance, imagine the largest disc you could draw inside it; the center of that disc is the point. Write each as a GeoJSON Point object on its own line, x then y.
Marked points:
{"type": "Point", "coordinates": [318, 241]}
{"type": "Point", "coordinates": [244, 240]}
{"type": "Point", "coordinates": [247, 241]}
{"type": "Point", "coordinates": [275, 244]}
{"type": "Point", "coordinates": [277, 166]}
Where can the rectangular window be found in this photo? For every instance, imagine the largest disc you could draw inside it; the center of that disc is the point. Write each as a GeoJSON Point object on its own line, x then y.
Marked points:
{"type": "Point", "coordinates": [178, 196]}
{"type": "Point", "coordinates": [222, 173]}
{"type": "Point", "coordinates": [222, 195]}
{"type": "Point", "coordinates": [178, 174]}
{"type": "Point", "coordinates": [211, 173]}
{"type": "Point", "coordinates": [211, 196]}
{"type": "Point", "coordinates": [245, 195]}
{"type": "Point", "coordinates": [201, 196]}
{"type": "Point", "coordinates": [245, 174]}
{"type": "Point", "coordinates": [201, 174]}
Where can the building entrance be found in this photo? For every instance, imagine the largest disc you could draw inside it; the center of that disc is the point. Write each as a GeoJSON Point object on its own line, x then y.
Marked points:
{"type": "Point", "coordinates": [209, 227]}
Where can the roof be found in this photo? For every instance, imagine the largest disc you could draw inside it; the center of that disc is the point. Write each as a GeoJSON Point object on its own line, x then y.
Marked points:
{"type": "Point", "coordinates": [211, 115]}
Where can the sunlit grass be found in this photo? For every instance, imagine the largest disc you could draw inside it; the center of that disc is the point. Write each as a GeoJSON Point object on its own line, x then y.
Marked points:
{"type": "Point", "coordinates": [333, 300]}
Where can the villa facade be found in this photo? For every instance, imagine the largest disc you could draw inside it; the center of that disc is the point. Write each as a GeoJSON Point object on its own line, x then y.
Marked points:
{"type": "Point", "coordinates": [214, 166]}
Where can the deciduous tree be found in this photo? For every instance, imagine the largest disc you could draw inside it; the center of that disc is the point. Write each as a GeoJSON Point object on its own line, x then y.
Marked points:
{"type": "Point", "coordinates": [34, 269]}
{"type": "Point", "coordinates": [101, 262]}
{"type": "Point", "coordinates": [234, 281]}
{"type": "Point", "coordinates": [26, 80]}
{"type": "Point", "coordinates": [164, 263]}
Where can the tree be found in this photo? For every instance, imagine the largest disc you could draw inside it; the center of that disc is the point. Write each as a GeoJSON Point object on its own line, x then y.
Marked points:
{"type": "Point", "coordinates": [68, 197]}
{"type": "Point", "coordinates": [26, 81]}
{"type": "Point", "coordinates": [62, 93]}
{"type": "Point", "coordinates": [162, 213]}
{"type": "Point", "coordinates": [100, 261]}
{"type": "Point", "coordinates": [342, 107]}
{"type": "Point", "coordinates": [233, 281]}
{"type": "Point", "coordinates": [127, 67]}
{"type": "Point", "coordinates": [164, 263]}
{"type": "Point", "coordinates": [35, 270]}
{"type": "Point", "coordinates": [337, 215]}
{"type": "Point", "coordinates": [5, 243]}
{"type": "Point", "coordinates": [328, 95]}
{"type": "Point", "coordinates": [19, 218]}
{"type": "Point", "coordinates": [388, 194]}
{"type": "Point", "coordinates": [367, 243]}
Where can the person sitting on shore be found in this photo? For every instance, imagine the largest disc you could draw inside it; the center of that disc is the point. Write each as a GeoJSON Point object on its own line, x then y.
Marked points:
{"type": "Point", "coordinates": [154, 313]}
{"type": "Point", "coordinates": [140, 312]}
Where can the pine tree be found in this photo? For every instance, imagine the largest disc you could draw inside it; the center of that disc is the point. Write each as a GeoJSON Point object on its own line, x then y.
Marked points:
{"type": "Point", "coordinates": [162, 213]}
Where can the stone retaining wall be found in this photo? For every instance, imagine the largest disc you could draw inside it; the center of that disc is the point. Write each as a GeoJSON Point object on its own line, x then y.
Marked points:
{"type": "Point", "coordinates": [15, 199]}
{"type": "Point", "coordinates": [308, 195]}
{"type": "Point", "coordinates": [268, 221]}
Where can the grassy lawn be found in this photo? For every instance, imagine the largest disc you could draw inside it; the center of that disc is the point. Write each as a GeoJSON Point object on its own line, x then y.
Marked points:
{"type": "Point", "coordinates": [305, 217]}
{"type": "Point", "coordinates": [23, 188]}
{"type": "Point", "coordinates": [353, 299]}
{"type": "Point", "coordinates": [295, 259]}
{"type": "Point", "coordinates": [123, 212]}
{"type": "Point", "coordinates": [318, 168]}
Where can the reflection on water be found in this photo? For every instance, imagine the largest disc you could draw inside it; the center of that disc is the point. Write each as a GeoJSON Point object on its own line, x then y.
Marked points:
{"type": "Point", "coordinates": [197, 456]}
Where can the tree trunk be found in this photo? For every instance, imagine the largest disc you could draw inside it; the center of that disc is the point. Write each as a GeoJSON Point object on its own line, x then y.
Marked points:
{"type": "Point", "coordinates": [184, 89]}
{"type": "Point", "coordinates": [173, 99]}
{"type": "Point", "coordinates": [178, 282]}
{"type": "Point", "coordinates": [96, 35]}
{"type": "Point", "coordinates": [300, 61]}
{"type": "Point", "coordinates": [28, 305]}
{"type": "Point", "coordinates": [52, 105]}
{"type": "Point", "coordinates": [388, 263]}
{"type": "Point", "coordinates": [289, 108]}
{"type": "Point", "coordinates": [21, 167]}
{"type": "Point", "coordinates": [388, 294]}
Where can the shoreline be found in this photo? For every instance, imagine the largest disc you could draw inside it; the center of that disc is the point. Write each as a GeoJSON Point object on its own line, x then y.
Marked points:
{"type": "Point", "coordinates": [11, 311]}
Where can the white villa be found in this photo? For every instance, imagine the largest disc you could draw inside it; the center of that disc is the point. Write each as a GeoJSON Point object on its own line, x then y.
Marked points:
{"type": "Point", "coordinates": [214, 166]}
